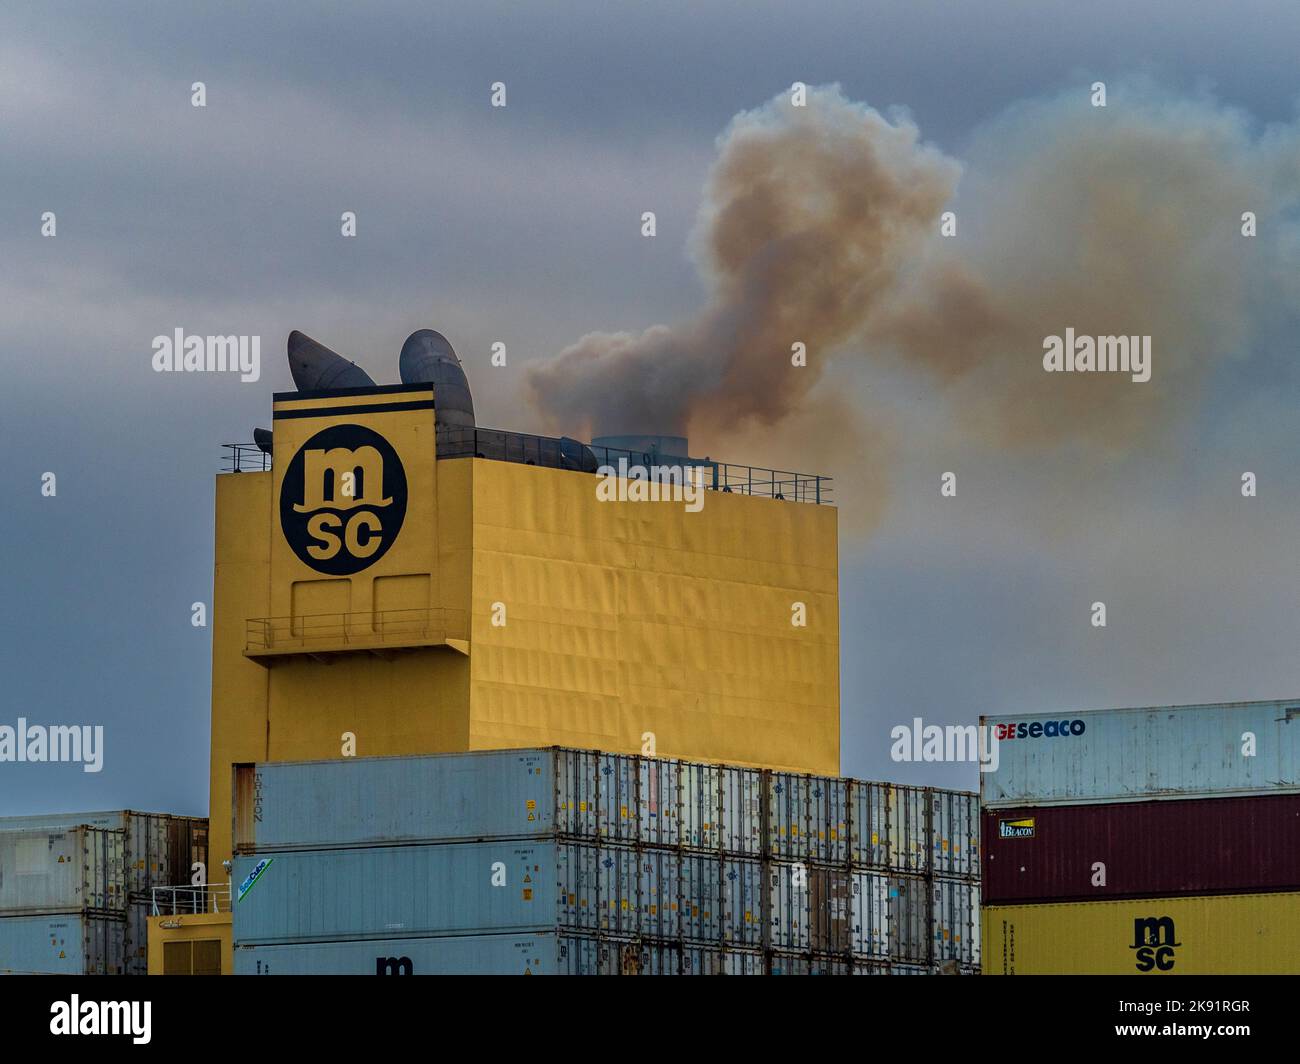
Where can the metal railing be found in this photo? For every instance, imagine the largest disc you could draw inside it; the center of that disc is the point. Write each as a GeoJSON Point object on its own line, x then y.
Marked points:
{"type": "Point", "coordinates": [175, 901]}
{"type": "Point", "coordinates": [772, 483]}
{"type": "Point", "coordinates": [560, 452]}
{"type": "Point", "coordinates": [244, 458]}
{"type": "Point", "coordinates": [564, 453]}
{"type": "Point", "coordinates": [366, 629]}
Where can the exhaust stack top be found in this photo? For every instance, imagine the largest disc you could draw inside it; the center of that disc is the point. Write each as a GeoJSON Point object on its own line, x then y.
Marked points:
{"type": "Point", "coordinates": [316, 368]}
{"type": "Point", "coordinates": [428, 358]}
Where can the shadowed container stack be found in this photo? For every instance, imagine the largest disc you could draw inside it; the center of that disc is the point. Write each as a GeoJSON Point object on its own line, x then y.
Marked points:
{"type": "Point", "coordinates": [1144, 841]}
{"type": "Point", "coordinates": [75, 887]}
{"type": "Point", "coordinates": [566, 861]}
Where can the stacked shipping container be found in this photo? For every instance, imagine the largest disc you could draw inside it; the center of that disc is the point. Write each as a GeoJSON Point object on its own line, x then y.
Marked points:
{"type": "Point", "coordinates": [1144, 841]}
{"type": "Point", "coordinates": [578, 861]}
{"type": "Point", "coordinates": [75, 887]}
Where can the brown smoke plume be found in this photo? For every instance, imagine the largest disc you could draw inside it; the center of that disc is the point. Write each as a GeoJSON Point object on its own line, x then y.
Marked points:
{"type": "Point", "coordinates": [809, 215]}
{"type": "Point", "coordinates": [821, 224]}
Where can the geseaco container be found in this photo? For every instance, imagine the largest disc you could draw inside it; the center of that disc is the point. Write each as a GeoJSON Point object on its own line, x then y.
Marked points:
{"type": "Point", "coordinates": [1128, 755]}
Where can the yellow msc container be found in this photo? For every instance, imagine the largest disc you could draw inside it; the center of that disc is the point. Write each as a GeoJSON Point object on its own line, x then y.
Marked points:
{"type": "Point", "coordinates": [1231, 934]}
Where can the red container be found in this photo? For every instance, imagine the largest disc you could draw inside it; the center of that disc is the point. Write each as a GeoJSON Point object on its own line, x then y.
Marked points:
{"type": "Point", "coordinates": [1148, 849]}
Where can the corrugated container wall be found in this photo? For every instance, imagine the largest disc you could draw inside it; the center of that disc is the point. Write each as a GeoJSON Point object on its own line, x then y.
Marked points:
{"type": "Point", "coordinates": [1204, 751]}
{"type": "Point", "coordinates": [162, 850]}
{"type": "Point", "coordinates": [796, 964]}
{"type": "Point", "coordinates": [426, 890]}
{"type": "Point", "coordinates": [496, 794]}
{"type": "Point", "coordinates": [909, 841]}
{"type": "Point", "coordinates": [742, 902]}
{"type": "Point", "coordinates": [106, 820]}
{"type": "Point", "coordinates": [695, 857]}
{"type": "Point", "coordinates": [546, 954]}
{"type": "Point", "coordinates": [516, 886]}
{"type": "Point", "coordinates": [551, 953]}
{"type": "Point", "coordinates": [533, 887]}
{"type": "Point", "coordinates": [66, 944]}
{"type": "Point", "coordinates": [542, 954]}
{"type": "Point", "coordinates": [955, 921]}
{"type": "Point", "coordinates": [808, 817]}
{"type": "Point", "coordinates": [159, 849]}
{"type": "Point", "coordinates": [1230, 934]}
{"type": "Point", "coordinates": [1145, 849]}
{"type": "Point", "coordinates": [954, 832]}
{"type": "Point", "coordinates": [135, 945]}
{"type": "Point", "coordinates": [621, 798]}
{"type": "Point", "coordinates": [54, 871]}
{"type": "Point", "coordinates": [92, 875]}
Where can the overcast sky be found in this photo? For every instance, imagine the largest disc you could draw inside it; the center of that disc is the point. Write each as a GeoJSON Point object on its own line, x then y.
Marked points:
{"type": "Point", "coordinates": [522, 225]}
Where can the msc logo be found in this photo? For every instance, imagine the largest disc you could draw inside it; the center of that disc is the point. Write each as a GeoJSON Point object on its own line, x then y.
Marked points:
{"type": "Point", "coordinates": [343, 499]}
{"type": "Point", "coordinates": [1016, 829]}
{"type": "Point", "coordinates": [1153, 939]}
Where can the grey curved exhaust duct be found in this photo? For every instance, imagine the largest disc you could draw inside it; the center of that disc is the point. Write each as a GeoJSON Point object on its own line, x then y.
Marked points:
{"type": "Point", "coordinates": [316, 368]}
{"type": "Point", "coordinates": [427, 358]}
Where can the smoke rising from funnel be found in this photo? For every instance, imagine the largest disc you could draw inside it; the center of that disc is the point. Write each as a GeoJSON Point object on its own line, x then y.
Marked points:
{"type": "Point", "coordinates": [822, 225]}
{"type": "Point", "coordinates": [809, 215]}
{"type": "Point", "coordinates": [1118, 221]}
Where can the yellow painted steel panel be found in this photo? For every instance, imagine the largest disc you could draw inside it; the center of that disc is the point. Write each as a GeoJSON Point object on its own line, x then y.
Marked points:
{"type": "Point", "coordinates": [239, 686]}
{"type": "Point", "coordinates": [194, 941]}
{"type": "Point", "coordinates": [327, 400]}
{"type": "Point", "coordinates": [1230, 934]}
{"type": "Point", "coordinates": [314, 597]}
{"type": "Point", "coordinates": [625, 619]}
